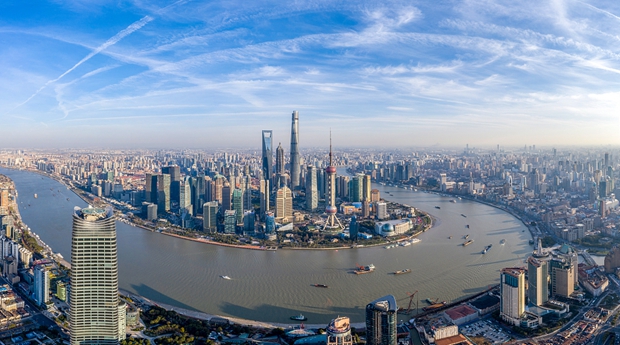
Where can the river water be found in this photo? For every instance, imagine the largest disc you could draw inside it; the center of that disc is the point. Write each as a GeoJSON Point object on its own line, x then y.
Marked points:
{"type": "Point", "coordinates": [272, 286]}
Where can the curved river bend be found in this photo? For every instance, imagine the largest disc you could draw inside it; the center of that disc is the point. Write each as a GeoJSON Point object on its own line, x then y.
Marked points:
{"type": "Point", "coordinates": [272, 286]}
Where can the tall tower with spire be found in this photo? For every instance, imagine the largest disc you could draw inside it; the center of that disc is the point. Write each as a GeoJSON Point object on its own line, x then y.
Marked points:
{"type": "Point", "coordinates": [332, 221]}
{"type": "Point", "coordinates": [295, 151]}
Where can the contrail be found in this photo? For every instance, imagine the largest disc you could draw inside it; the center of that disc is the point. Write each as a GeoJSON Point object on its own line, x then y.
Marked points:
{"type": "Point", "coordinates": [112, 41]}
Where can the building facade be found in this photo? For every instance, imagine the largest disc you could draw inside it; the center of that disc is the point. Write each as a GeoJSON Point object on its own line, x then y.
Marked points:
{"type": "Point", "coordinates": [512, 294]}
{"type": "Point", "coordinates": [381, 321]}
{"type": "Point", "coordinates": [94, 277]}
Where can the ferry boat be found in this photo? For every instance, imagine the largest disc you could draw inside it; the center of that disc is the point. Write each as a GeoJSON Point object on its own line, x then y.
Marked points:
{"type": "Point", "coordinates": [406, 270]}
{"type": "Point", "coordinates": [502, 242]}
{"type": "Point", "coordinates": [321, 286]}
{"type": "Point", "coordinates": [468, 242]}
{"type": "Point", "coordinates": [299, 317]}
{"type": "Point", "coordinates": [225, 277]}
{"type": "Point", "coordinates": [486, 249]}
{"type": "Point", "coordinates": [364, 269]}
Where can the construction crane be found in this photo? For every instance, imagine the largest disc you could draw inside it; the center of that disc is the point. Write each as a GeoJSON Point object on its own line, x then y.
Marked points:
{"type": "Point", "coordinates": [408, 310]}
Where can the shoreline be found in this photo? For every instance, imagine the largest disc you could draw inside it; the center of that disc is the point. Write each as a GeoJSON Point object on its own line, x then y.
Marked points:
{"type": "Point", "coordinates": [238, 246]}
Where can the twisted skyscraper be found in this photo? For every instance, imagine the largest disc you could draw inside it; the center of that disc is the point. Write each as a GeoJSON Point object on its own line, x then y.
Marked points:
{"type": "Point", "coordinates": [295, 151]}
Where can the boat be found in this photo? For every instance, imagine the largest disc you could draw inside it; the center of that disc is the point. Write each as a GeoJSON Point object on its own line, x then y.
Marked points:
{"type": "Point", "coordinates": [452, 200]}
{"type": "Point", "coordinates": [486, 249]}
{"type": "Point", "coordinates": [466, 237]}
{"type": "Point", "coordinates": [465, 244]}
{"type": "Point", "coordinates": [35, 195]}
{"type": "Point", "coordinates": [415, 240]}
{"type": "Point", "coordinates": [462, 215]}
{"type": "Point", "coordinates": [502, 241]}
{"type": "Point", "coordinates": [225, 277]}
{"type": "Point", "coordinates": [467, 226]}
{"type": "Point", "coordinates": [405, 243]}
{"type": "Point", "coordinates": [364, 269]}
{"type": "Point", "coordinates": [437, 207]}
{"type": "Point", "coordinates": [434, 306]}
{"type": "Point", "coordinates": [430, 301]}
{"type": "Point", "coordinates": [299, 317]}
{"type": "Point", "coordinates": [449, 237]}
{"type": "Point", "coordinates": [321, 286]}
{"type": "Point", "coordinates": [406, 270]}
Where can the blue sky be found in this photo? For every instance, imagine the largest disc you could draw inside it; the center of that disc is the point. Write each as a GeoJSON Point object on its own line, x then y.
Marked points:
{"type": "Point", "coordinates": [207, 74]}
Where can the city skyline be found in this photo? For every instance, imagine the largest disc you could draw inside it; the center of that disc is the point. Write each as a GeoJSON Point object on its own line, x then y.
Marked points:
{"type": "Point", "coordinates": [101, 74]}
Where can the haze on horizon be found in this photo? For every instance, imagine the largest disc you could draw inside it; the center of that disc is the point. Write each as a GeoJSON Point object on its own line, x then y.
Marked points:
{"type": "Point", "coordinates": [172, 74]}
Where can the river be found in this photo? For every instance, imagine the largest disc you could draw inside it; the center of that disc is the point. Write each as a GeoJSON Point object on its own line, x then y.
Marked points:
{"type": "Point", "coordinates": [272, 286]}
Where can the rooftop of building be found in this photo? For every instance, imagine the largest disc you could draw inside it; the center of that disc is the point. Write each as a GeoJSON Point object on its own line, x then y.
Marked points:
{"type": "Point", "coordinates": [92, 214]}
{"type": "Point", "coordinates": [453, 340]}
{"type": "Point", "coordinates": [485, 302]}
{"type": "Point", "coordinates": [460, 311]}
{"type": "Point", "coordinates": [385, 303]}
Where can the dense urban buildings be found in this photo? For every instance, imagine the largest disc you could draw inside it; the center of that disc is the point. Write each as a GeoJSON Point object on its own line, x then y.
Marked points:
{"type": "Point", "coordinates": [94, 278]}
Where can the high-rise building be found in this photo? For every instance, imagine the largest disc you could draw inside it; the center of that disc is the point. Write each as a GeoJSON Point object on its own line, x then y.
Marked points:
{"type": "Point", "coordinates": [209, 216]}
{"type": "Point", "coordinates": [339, 332]}
{"type": "Point", "coordinates": [264, 197]}
{"type": "Point", "coordinates": [381, 208]}
{"type": "Point", "coordinates": [353, 228]}
{"type": "Point", "coordinates": [356, 188]}
{"type": "Point", "coordinates": [312, 194]}
{"type": "Point", "coordinates": [41, 285]}
{"type": "Point", "coordinates": [512, 294]}
{"type": "Point", "coordinates": [366, 188]}
{"type": "Point", "coordinates": [148, 188]}
{"type": "Point", "coordinates": [230, 222]}
{"type": "Point", "coordinates": [295, 151]}
{"type": "Point", "coordinates": [237, 204]}
{"type": "Point", "coordinates": [279, 160]}
{"type": "Point", "coordinates": [185, 197]}
{"type": "Point", "coordinates": [562, 278]}
{"type": "Point", "coordinates": [4, 198]}
{"type": "Point", "coordinates": [163, 193]}
{"type": "Point", "coordinates": [175, 181]}
{"type": "Point", "coordinates": [94, 278]}
{"type": "Point", "coordinates": [267, 158]}
{"type": "Point", "coordinates": [537, 281]}
{"type": "Point", "coordinates": [226, 197]}
{"type": "Point", "coordinates": [332, 221]}
{"type": "Point", "coordinates": [381, 321]}
{"type": "Point", "coordinates": [284, 205]}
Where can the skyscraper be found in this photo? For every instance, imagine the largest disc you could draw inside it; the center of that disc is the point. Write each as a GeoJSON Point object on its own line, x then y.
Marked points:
{"type": "Point", "coordinates": [267, 158]}
{"type": "Point", "coordinates": [537, 281]}
{"type": "Point", "coordinates": [512, 294]}
{"type": "Point", "coordinates": [312, 194]}
{"type": "Point", "coordinates": [332, 221]}
{"type": "Point", "coordinates": [284, 205]}
{"type": "Point", "coordinates": [562, 278]}
{"type": "Point", "coordinates": [295, 151]}
{"type": "Point", "coordinates": [41, 284]}
{"type": "Point", "coordinates": [381, 321]}
{"type": "Point", "coordinates": [279, 159]}
{"type": "Point", "coordinates": [209, 216]}
{"type": "Point", "coordinates": [94, 277]}
{"type": "Point", "coordinates": [237, 204]}
{"type": "Point", "coordinates": [264, 197]}
{"type": "Point", "coordinates": [163, 193]}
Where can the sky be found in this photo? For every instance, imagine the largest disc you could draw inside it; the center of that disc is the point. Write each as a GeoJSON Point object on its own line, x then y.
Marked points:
{"type": "Point", "coordinates": [212, 74]}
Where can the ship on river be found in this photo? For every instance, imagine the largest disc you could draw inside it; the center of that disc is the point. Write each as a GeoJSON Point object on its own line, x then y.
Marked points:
{"type": "Point", "coordinates": [486, 249]}
{"type": "Point", "coordinates": [468, 242]}
{"type": "Point", "coordinates": [364, 269]}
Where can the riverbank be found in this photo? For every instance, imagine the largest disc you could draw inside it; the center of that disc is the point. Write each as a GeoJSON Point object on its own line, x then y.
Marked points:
{"type": "Point", "coordinates": [80, 194]}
